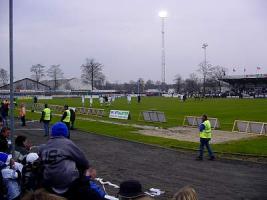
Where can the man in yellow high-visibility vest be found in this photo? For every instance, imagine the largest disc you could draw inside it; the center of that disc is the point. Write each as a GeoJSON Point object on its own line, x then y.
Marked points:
{"type": "Point", "coordinates": [66, 118]}
{"type": "Point", "coordinates": [46, 118]}
{"type": "Point", "coordinates": [205, 137]}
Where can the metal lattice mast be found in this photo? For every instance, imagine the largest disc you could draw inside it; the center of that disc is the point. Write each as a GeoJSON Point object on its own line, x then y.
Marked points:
{"type": "Point", "coordinates": [163, 64]}
{"type": "Point", "coordinates": [163, 15]}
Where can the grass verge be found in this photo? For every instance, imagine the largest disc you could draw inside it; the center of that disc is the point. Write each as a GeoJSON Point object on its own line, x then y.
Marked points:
{"type": "Point", "coordinates": [256, 146]}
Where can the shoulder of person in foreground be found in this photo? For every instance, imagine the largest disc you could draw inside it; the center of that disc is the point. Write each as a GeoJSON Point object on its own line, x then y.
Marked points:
{"type": "Point", "coordinates": [145, 198]}
{"type": "Point", "coordinates": [42, 194]}
{"type": "Point", "coordinates": [185, 193]}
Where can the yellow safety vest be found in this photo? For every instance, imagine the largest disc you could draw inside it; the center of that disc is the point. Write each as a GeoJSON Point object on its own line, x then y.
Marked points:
{"type": "Point", "coordinates": [67, 118]}
{"type": "Point", "coordinates": [206, 133]}
{"type": "Point", "coordinates": [47, 112]}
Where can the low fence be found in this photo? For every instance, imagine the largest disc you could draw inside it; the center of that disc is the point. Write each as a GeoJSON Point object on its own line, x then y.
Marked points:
{"type": "Point", "coordinates": [250, 127]}
{"type": "Point", "coordinates": [196, 121]}
{"type": "Point", "coordinates": [60, 109]}
{"type": "Point", "coordinates": [153, 116]}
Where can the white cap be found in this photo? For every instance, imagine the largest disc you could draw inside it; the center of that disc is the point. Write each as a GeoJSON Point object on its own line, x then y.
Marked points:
{"type": "Point", "coordinates": [31, 157]}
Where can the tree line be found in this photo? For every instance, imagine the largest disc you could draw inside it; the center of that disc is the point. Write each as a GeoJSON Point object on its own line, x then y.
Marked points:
{"type": "Point", "coordinates": [92, 74]}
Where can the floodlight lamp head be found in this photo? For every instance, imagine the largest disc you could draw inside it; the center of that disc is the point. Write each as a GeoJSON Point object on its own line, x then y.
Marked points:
{"type": "Point", "coordinates": [163, 14]}
{"type": "Point", "coordinates": [204, 45]}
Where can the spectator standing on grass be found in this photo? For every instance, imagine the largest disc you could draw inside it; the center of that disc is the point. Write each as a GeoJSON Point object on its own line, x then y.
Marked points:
{"type": "Point", "coordinates": [139, 98]}
{"type": "Point", "coordinates": [46, 118]}
{"type": "Point", "coordinates": [22, 114]}
{"type": "Point", "coordinates": [66, 118]}
{"type": "Point", "coordinates": [65, 166]}
{"type": "Point", "coordinates": [72, 118]}
{"type": "Point", "coordinates": [101, 100]}
{"type": "Point", "coordinates": [205, 137]}
{"type": "Point", "coordinates": [129, 99]}
{"type": "Point", "coordinates": [4, 135]}
{"type": "Point", "coordinates": [4, 112]}
{"type": "Point", "coordinates": [186, 193]}
{"type": "Point", "coordinates": [91, 102]}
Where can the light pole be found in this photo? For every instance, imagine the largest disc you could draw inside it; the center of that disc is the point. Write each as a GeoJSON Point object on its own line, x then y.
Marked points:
{"type": "Point", "coordinates": [204, 46]}
{"type": "Point", "coordinates": [11, 74]}
{"type": "Point", "coordinates": [163, 15]}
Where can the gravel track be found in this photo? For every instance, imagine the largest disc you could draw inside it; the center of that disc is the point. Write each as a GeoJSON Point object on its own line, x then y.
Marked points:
{"type": "Point", "coordinates": [117, 160]}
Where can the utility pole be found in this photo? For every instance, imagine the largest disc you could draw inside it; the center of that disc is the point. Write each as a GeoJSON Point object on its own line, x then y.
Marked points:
{"type": "Point", "coordinates": [204, 46]}
{"type": "Point", "coordinates": [11, 74]}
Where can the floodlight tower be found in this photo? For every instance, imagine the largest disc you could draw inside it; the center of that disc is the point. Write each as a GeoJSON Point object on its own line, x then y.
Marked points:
{"type": "Point", "coordinates": [163, 14]}
{"type": "Point", "coordinates": [204, 46]}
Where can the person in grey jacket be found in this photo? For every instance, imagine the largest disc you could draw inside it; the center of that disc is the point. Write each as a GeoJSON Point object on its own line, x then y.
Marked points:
{"type": "Point", "coordinates": [63, 162]}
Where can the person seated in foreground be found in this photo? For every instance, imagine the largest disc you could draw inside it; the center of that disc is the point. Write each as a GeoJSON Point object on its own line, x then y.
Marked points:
{"type": "Point", "coordinates": [186, 193]}
{"type": "Point", "coordinates": [64, 166]}
{"type": "Point", "coordinates": [90, 176]}
{"type": "Point", "coordinates": [42, 194]}
{"type": "Point", "coordinates": [10, 176]}
{"type": "Point", "coordinates": [132, 189]}
{"type": "Point", "coordinates": [22, 147]}
{"type": "Point", "coordinates": [31, 173]}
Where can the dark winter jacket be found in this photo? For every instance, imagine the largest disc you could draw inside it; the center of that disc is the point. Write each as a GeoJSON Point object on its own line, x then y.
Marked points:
{"type": "Point", "coordinates": [62, 161]}
{"type": "Point", "coordinates": [3, 144]}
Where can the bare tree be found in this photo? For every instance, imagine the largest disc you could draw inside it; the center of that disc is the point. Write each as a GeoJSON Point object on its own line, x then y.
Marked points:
{"type": "Point", "coordinates": [178, 83]}
{"type": "Point", "coordinates": [92, 72]}
{"type": "Point", "coordinates": [149, 84]}
{"type": "Point", "coordinates": [205, 69]}
{"type": "Point", "coordinates": [218, 72]}
{"type": "Point", "coordinates": [55, 73]}
{"type": "Point", "coordinates": [38, 71]}
{"type": "Point", "coordinates": [192, 85]}
{"type": "Point", "coordinates": [3, 76]}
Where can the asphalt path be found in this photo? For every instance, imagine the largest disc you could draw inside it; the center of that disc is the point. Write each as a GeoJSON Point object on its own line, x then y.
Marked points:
{"type": "Point", "coordinates": [117, 160]}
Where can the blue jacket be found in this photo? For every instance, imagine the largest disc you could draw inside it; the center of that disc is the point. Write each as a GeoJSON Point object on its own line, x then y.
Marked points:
{"type": "Point", "coordinates": [96, 188]}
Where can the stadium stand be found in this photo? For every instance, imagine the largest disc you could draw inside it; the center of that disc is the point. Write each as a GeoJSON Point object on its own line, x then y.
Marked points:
{"type": "Point", "coordinates": [250, 85]}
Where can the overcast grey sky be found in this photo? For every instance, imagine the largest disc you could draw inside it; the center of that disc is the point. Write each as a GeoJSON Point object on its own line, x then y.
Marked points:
{"type": "Point", "coordinates": [125, 36]}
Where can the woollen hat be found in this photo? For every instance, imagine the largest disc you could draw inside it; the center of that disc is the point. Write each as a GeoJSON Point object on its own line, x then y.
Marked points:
{"type": "Point", "coordinates": [59, 129]}
{"type": "Point", "coordinates": [3, 157]}
{"type": "Point", "coordinates": [130, 189]}
{"type": "Point", "coordinates": [32, 157]}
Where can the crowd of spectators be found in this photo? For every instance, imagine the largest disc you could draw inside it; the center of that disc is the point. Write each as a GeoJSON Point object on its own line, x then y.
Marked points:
{"type": "Point", "coordinates": [57, 170]}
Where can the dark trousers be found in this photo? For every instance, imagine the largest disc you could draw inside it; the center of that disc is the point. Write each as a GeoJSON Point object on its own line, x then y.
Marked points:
{"type": "Point", "coordinates": [4, 118]}
{"type": "Point", "coordinates": [72, 125]}
{"type": "Point", "coordinates": [23, 120]}
{"type": "Point", "coordinates": [46, 128]}
{"type": "Point", "coordinates": [68, 125]}
{"type": "Point", "coordinates": [205, 142]}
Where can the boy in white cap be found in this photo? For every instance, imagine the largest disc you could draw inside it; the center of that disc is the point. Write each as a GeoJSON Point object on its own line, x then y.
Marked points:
{"type": "Point", "coordinates": [10, 175]}
{"type": "Point", "coordinates": [31, 173]}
